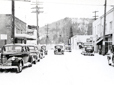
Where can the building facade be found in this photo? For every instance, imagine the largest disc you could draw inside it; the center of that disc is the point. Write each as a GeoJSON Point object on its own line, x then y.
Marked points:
{"type": "Point", "coordinates": [32, 34]}
{"type": "Point", "coordinates": [6, 29]}
{"type": "Point", "coordinates": [98, 29]}
{"type": "Point", "coordinates": [79, 38]}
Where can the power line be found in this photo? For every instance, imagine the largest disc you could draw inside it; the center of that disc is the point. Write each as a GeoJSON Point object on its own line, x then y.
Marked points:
{"type": "Point", "coordinates": [77, 4]}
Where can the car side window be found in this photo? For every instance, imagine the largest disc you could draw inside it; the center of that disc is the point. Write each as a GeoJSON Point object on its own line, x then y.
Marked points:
{"type": "Point", "coordinates": [27, 48]}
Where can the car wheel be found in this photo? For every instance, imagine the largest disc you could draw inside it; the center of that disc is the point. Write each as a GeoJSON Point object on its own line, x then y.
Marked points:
{"type": "Point", "coordinates": [55, 53]}
{"type": "Point", "coordinates": [34, 62]}
{"type": "Point", "coordinates": [30, 60]}
{"type": "Point", "coordinates": [41, 56]}
{"type": "Point", "coordinates": [20, 67]}
{"type": "Point", "coordinates": [38, 60]}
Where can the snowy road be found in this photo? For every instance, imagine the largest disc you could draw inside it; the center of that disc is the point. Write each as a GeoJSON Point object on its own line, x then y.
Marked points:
{"type": "Point", "coordinates": [69, 69]}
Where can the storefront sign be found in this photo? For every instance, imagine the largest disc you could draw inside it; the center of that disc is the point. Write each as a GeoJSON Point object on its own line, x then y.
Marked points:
{"type": "Point", "coordinates": [3, 36]}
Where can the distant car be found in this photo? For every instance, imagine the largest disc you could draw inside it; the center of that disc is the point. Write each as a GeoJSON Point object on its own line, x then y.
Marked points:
{"type": "Point", "coordinates": [15, 56]}
{"type": "Point", "coordinates": [68, 48]}
{"type": "Point", "coordinates": [42, 54]}
{"type": "Point", "coordinates": [44, 49]}
{"type": "Point", "coordinates": [59, 49]}
{"type": "Point", "coordinates": [34, 53]}
{"type": "Point", "coordinates": [88, 50]}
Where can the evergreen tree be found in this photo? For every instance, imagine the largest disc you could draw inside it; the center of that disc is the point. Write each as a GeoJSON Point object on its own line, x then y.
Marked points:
{"type": "Point", "coordinates": [70, 35]}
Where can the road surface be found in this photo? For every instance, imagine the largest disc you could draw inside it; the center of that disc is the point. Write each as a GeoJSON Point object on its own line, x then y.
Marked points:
{"type": "Point", "coordinates": [69, 69]}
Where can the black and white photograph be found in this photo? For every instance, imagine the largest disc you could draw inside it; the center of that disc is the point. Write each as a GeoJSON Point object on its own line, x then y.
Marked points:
{"type": "Point", "coordinates": [56, 42]}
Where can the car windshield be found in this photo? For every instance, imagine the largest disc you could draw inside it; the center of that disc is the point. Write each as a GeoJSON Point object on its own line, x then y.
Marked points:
{"type": "Point", "coordinates": [12, 48]}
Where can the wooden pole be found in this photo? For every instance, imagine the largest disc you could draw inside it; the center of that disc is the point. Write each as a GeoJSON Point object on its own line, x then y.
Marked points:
{"type": "Point", "coordinates": [103, 48]}
{"type": "Point", "coordinates": [13, 21]}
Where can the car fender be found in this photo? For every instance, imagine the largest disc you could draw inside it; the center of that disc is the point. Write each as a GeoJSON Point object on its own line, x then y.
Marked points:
{"type": "Point", "coordinates": [17, 61]}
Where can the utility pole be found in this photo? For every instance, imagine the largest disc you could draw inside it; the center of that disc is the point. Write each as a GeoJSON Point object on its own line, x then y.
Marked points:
{"type": "Point", "coordinates": [103, 48]}
{"type": "Point", "coordinates": [95, 17]}
{"type": "Point", "coordinates": [13, 18]}
{"type": "Point", "coordinates": [37, 19]}
{"type": "Point", "coordinates": [13, 21]}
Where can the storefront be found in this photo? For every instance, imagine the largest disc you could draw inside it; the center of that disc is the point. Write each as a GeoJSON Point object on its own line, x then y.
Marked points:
{"type": "Point", "coordinates": [108, 44]}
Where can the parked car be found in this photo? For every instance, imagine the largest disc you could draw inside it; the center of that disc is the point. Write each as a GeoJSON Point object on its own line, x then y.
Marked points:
{"type": "Point", "coordinates": [110, 57]}
{"type": "Point", "coordinates": [88, 50]}
{"type": "Point", "coordinates": [34, 53]}
{"type": "Point", "coordinates": [15, 56]}
{"type": "Point", "coordinates": [41, 51]}
{"type": "Point", "coordinates": [43, 47]}
{"type": "Point", "coordinates": [59, 49]}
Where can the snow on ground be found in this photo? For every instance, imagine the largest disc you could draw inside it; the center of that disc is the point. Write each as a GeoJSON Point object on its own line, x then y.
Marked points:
{"type": "Point", "coordinates": [69, 69]}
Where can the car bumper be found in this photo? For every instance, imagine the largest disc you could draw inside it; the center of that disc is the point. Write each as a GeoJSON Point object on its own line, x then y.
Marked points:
{"type": "Point", "coordinates": [88, 53]}
{"type": "Point", "coordinates": [59, 52]}
{"type": "Point", "coordinates": [8, 67]}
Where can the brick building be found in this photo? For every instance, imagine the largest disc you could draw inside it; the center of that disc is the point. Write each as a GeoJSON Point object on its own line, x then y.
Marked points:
{"type": "Point", "coordinates": [6, 28]}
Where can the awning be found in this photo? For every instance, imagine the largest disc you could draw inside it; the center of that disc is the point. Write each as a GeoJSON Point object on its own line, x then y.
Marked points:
{"type": "Point", "coordinates": [99, 41]}
{"type": "Point", "coordinates": [20, 36]}
{"type": "Point", "coordinates": [25, 36]}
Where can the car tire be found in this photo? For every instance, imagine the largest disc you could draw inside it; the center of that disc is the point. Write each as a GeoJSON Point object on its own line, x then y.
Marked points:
{"type": "Point", "coordinates": [54, 52]}
{"type": "Point", "coordinates": [109, 64]}
{"type": "Point", "coordinates": [30, 60]}
{"type": "Point", "coordinates": [19, 68]}
{"type": "Point", "coordinates": [38, 60]}
{"type": "Point", "coordinates": [34, 62]}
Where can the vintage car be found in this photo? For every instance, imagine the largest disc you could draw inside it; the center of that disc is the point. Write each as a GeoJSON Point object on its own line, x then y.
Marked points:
{"type": "Point", "coordinates": [41, 52]}
{"type": "Point", "coordinates": [68, 48]}
{"type": "Point", "coordinates": [43, 47]}
{"type": "Point", "coordinates": [88, 50]}
{"type": "Point", "coordinates": [34, 53]}
{"type": "Point", "coordinates": [110, 56]}
{"type": "Point", "coordinates": [15, 56]}
{"type": "Point", "coordinates": [59, 49]}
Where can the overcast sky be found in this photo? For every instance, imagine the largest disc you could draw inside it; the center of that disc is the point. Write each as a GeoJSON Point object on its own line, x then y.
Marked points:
{"type": "Point", "coordinates": [55, 9]}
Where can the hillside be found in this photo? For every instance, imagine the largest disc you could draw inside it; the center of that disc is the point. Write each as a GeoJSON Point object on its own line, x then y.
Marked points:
{"type": "Point", "coordinates": [60, 31]}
